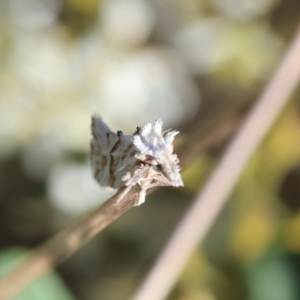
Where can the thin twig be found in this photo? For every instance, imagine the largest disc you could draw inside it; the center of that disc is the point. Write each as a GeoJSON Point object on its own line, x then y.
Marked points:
{"type": "Point", "coordinates": [212, 198]}
{"type": "Point", "coordinates": [65, 244]}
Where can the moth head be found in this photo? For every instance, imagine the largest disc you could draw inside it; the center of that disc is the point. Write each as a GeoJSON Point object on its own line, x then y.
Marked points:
{"type": "Point", "coordinates": [156, 147]}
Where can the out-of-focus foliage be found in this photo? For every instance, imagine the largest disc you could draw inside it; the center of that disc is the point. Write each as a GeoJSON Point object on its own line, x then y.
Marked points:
{"type": "Point", "coordinates": [134, 61]}
{"type": "Point", "coordinates": [47, 287]}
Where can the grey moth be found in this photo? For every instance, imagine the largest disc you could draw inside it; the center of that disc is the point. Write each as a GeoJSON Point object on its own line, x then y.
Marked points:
{"type": "Point", "coordinates": [145, 158]}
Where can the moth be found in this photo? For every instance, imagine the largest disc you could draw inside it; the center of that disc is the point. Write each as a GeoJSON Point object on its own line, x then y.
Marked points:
{"type": "Point", "coordinates": [145, 158]}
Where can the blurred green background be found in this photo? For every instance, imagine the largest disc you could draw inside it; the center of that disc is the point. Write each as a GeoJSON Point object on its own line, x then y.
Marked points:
{"type": "Point", "coordinates": [193, 63]}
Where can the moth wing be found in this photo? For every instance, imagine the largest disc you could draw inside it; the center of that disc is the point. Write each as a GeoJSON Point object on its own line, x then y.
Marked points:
{"type": "Point", "coordinates": [103, 140]}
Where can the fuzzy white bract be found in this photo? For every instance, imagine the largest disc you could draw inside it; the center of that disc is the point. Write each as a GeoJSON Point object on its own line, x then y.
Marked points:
{"type": "Point", "coordinates": [157, 148]}
{"type": "Point", "coordinates": [146, 158]}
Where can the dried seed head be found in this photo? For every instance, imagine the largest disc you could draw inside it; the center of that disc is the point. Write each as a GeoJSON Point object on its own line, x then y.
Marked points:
{"type": "Point", "coordinates": [156, 146]}
{"type": "Point", "coordinates": [145, 158]}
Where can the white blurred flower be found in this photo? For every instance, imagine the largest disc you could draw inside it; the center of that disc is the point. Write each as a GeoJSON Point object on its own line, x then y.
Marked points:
{"type": "Point", "coordinates": [32, 14]}
{"type": "Point", "coordinates": [137, 87]}
{"type": "Point", "coordinates": [146, 86]}
{"type": "Point", "coordinates": [66, 126]}
{"type": "Point", "coordinates": [250, 49]}
{"type": "Point", "coordinates": [72, 189]}
{"type": "Point", "coordinates": [42, 62]}
{"type": "Point", "coordinates": [198, 42]}
{"type": "Point", "coordinates": [127, 22]}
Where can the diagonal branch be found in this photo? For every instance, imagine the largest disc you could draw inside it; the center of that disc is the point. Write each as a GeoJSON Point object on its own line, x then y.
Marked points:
{"type": "Point", "coordinates": [59, 248]}
{"type": "Point", "coordinates": [196, 223]}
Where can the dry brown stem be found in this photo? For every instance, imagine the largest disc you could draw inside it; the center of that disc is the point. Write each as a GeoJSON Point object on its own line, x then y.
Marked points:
{"type": "Point", "coordinates": [57, 249]}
